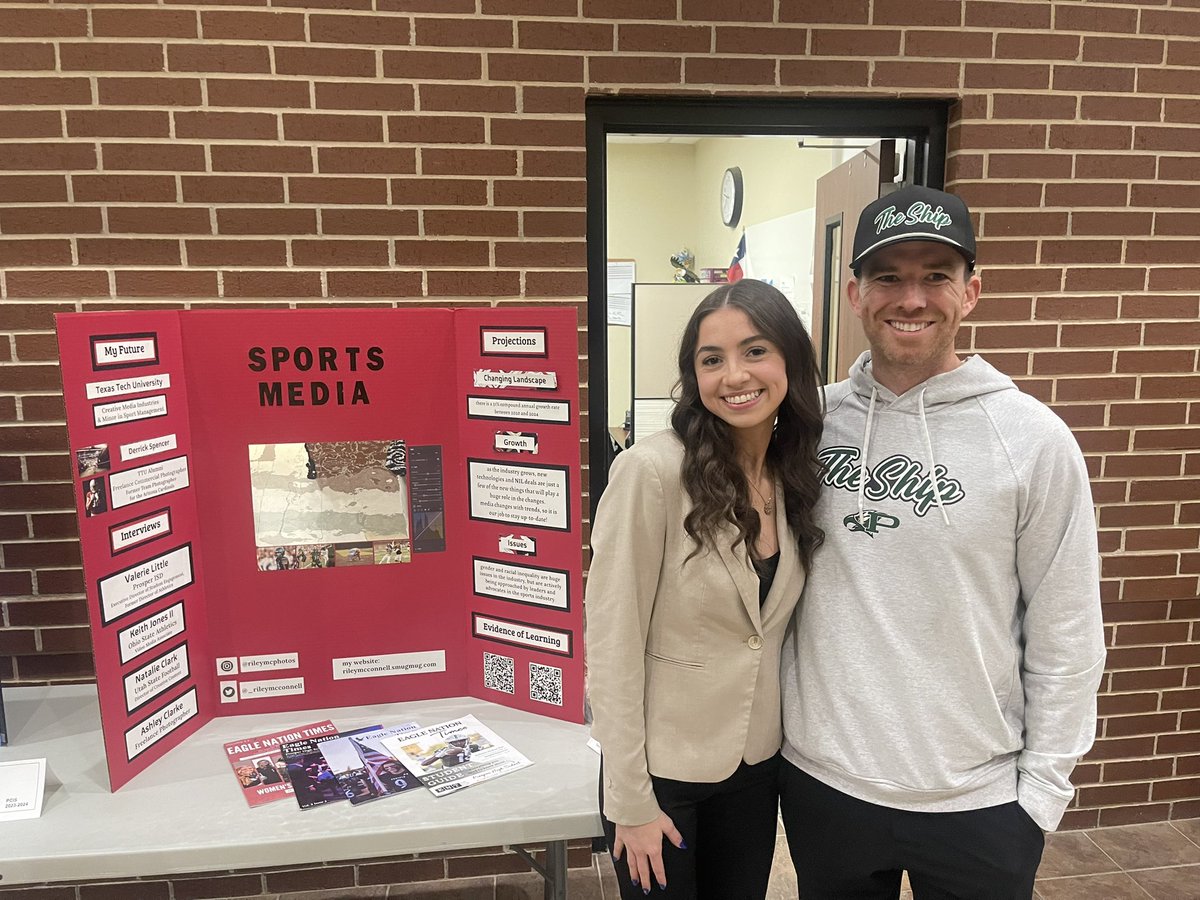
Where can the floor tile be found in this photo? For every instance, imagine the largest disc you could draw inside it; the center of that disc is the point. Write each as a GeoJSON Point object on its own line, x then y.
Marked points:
{"type": "Point", "coordinates": [483, 888]}
{"type": "Point", "coordinates": [1146, 846]}
{"type": "Point", "coordinates": [1189, 828]}
{"type": "Point", "coordinates": [608, 878]}
{"type": "Point", "coordinates": [783, 875]}
{"type": "Point", "coordinates": [582, 884]}
{"type": "Point", "coordinates": [1115, 886]}
{"type": "Point", "coordinates": [1073, 853]}
{"type": "Point", "coordinates": [1173, 883]}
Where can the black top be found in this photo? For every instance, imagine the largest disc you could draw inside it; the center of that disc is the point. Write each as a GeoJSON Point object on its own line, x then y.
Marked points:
{"type": "Point", "coordinates": [766, 569]}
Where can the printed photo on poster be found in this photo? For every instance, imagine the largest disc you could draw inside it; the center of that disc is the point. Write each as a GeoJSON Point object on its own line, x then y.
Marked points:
{"type": "Point", "coordinates": [92, 460]}
{"type": "Point", "coordinates": [519, 495]}
{"type": "Point", "coordinates": [328, 504]}
{"type": "Point", "coordinates": [95, 498]}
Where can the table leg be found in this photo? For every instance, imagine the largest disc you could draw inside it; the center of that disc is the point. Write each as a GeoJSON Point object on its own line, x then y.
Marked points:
{"type": "Point", "coordinates": [556, 871]}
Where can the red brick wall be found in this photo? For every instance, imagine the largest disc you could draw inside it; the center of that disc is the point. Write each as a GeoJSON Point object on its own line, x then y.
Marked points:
{"type": "Point", "coordinates": [186, 154]}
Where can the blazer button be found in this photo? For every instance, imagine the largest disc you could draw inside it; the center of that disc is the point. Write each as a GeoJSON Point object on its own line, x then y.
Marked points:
{"type": "Point", "coordinates": [755, 642]}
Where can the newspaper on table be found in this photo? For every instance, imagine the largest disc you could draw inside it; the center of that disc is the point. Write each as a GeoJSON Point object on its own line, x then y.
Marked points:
{"type": "Point", "coordinates": [258, 763]}
{"type": "Point", "coordinates": [312, 780]}
{"type": "Point", "coordinates": [455, 754]}
{"type": "Point", "coordinates": [363, 767]}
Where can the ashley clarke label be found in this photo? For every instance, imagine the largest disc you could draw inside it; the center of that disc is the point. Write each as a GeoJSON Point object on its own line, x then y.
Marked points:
{"type": "Point", "coordinates": [154, 728]}
{"type": "Point", "coordinates": [139, 384]}
{"type": "Point", "coordinates": [512, 341]}
{"type": "Point", "coordinates": [537, 381]}
{"type": "Point", "coordinates": [390, 664]}
{"type": "Point", "coordinates": [144, 684]}
{"type": "Point", "coordinates": [521, 634]}
{"type": "Point", "coordinates": [136, 532]}
{"type": "Point", "coordinates": [105, 414]}
{"type": "Point", "coordinates": [113, 350]}
{"type": "Point", "coordinates": [150, 632]}
{"type": "Point", "coordinates": [134, 587]}
{"type": "Point", "coordinates": [148, 447]}
{"type": "Point", "coordinates": [148, 481]}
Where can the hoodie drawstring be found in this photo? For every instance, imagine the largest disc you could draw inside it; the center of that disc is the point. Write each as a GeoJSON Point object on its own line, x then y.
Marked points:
{"type": "Point", "coordinates": [862, 461]}
{"type": "Point", "coordinates": [933, 477]}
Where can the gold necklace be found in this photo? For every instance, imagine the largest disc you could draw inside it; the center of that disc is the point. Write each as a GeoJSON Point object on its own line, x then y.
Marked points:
{"type": "Point", "coordinates": [768, 502]}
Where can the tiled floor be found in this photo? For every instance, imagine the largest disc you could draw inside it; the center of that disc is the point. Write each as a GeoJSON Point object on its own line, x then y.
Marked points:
{"type": "Point", "coordinates": [1159, 861]}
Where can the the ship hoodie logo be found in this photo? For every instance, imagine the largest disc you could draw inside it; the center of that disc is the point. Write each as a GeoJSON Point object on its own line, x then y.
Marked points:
{"type": "Point", "coordinates": [870, 522]}
{"type": "Point", "coordinates": [897, 477]}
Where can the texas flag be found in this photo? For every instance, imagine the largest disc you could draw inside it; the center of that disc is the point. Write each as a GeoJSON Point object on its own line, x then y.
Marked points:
{"type": "Point", "coordinates": [735, 267]}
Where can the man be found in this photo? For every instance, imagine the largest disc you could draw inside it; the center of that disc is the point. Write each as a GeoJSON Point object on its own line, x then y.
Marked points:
{"type": "Point", "coordinates": [940, 682]}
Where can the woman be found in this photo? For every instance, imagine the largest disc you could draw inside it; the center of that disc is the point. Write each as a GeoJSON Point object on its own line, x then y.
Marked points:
{"type": "Point", "coordinates": [699, 549]}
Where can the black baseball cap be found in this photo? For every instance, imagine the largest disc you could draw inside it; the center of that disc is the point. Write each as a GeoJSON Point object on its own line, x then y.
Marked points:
{"type": "Point", "coordinates": [915, 213]}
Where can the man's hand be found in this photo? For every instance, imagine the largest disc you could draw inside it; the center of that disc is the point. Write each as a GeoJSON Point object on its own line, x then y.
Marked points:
{"type": "Point", "coordinates": [643, 844]}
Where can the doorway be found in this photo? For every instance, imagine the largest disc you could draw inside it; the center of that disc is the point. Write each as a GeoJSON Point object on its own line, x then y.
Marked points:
{"type": "Point", "coordinates": [694, 207]}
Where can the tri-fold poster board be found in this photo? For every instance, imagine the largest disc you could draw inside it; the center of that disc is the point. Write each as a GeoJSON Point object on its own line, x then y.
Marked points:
{"type": "Point", "coordinates": [300, 509]}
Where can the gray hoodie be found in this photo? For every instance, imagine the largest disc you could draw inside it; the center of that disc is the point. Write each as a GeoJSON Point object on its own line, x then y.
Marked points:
{"type": "Point", "coordinates": [948, 644]}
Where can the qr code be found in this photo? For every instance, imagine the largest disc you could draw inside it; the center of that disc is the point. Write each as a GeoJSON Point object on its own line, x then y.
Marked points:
{"type": "Point", "coordinates": [545, 684]}
{"type": "Point", "coordinates": [499, 673]}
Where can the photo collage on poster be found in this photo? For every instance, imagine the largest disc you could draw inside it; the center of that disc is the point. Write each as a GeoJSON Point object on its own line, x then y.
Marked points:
{"type": "Point", "coordinates": [327, 504]}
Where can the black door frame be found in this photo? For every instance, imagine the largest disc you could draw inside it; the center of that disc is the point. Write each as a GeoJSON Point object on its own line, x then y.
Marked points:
{"type": "Point", "coordinates": [921, 123]}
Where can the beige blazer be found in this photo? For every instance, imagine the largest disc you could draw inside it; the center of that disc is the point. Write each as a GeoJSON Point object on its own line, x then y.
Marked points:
{"type": "Point", "coordinates": [683, 667]}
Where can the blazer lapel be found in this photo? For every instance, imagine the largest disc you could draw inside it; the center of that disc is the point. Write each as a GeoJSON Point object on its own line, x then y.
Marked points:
{"type": "Point", "coordinates": [789, 563]}
{"type": "Point", "coordinates": [737, 561]}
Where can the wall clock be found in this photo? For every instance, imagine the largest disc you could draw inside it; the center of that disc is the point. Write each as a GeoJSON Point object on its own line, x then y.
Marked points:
{"type": "Point", "coordinates": [731, 196]}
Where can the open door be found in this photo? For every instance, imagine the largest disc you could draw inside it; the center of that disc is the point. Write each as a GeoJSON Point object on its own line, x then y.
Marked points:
{"type": "Point", "coordinates": [841, 195]}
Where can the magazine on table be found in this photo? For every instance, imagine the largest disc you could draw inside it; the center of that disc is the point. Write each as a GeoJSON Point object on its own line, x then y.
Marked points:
{"type": "Point", "coordinates": [455, 754]}
{"type": "Point", "coordinates": [258, 763]}
{"type": "Point", "coordinates": [312, 780]}
{"type": "Point", "coordinates": [364, 769]}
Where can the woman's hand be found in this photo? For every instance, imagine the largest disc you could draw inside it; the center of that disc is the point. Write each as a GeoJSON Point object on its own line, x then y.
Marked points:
{"type": "Point", "coordinates": [643, 846]}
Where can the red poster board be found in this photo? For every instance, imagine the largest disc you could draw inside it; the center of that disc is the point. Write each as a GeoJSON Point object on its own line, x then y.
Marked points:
{"type": "Point", "coordinates": [286, 510]}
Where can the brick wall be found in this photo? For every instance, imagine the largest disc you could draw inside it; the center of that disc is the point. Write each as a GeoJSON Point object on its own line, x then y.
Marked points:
{"type": "Point", "coordinates": [284, 152]}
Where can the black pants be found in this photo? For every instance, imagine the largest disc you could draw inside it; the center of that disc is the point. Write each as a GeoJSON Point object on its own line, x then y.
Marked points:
{"type": "Point", "coordinates": [849, 849]}
{"type": "Point", "coordinates": [728, 829]}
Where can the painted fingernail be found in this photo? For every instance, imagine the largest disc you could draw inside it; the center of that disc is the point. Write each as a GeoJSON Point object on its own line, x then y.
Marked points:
{"type": "Point", "coordinates": [635, 881]}
{"type": "Point", "coordinates": [682, 844]}
{"type": "Point", "coordinates": [646, 891]}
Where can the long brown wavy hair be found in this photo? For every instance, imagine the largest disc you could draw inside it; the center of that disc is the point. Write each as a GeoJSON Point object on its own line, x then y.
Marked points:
{"type": "Point", "coordinates": [711, 475]}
